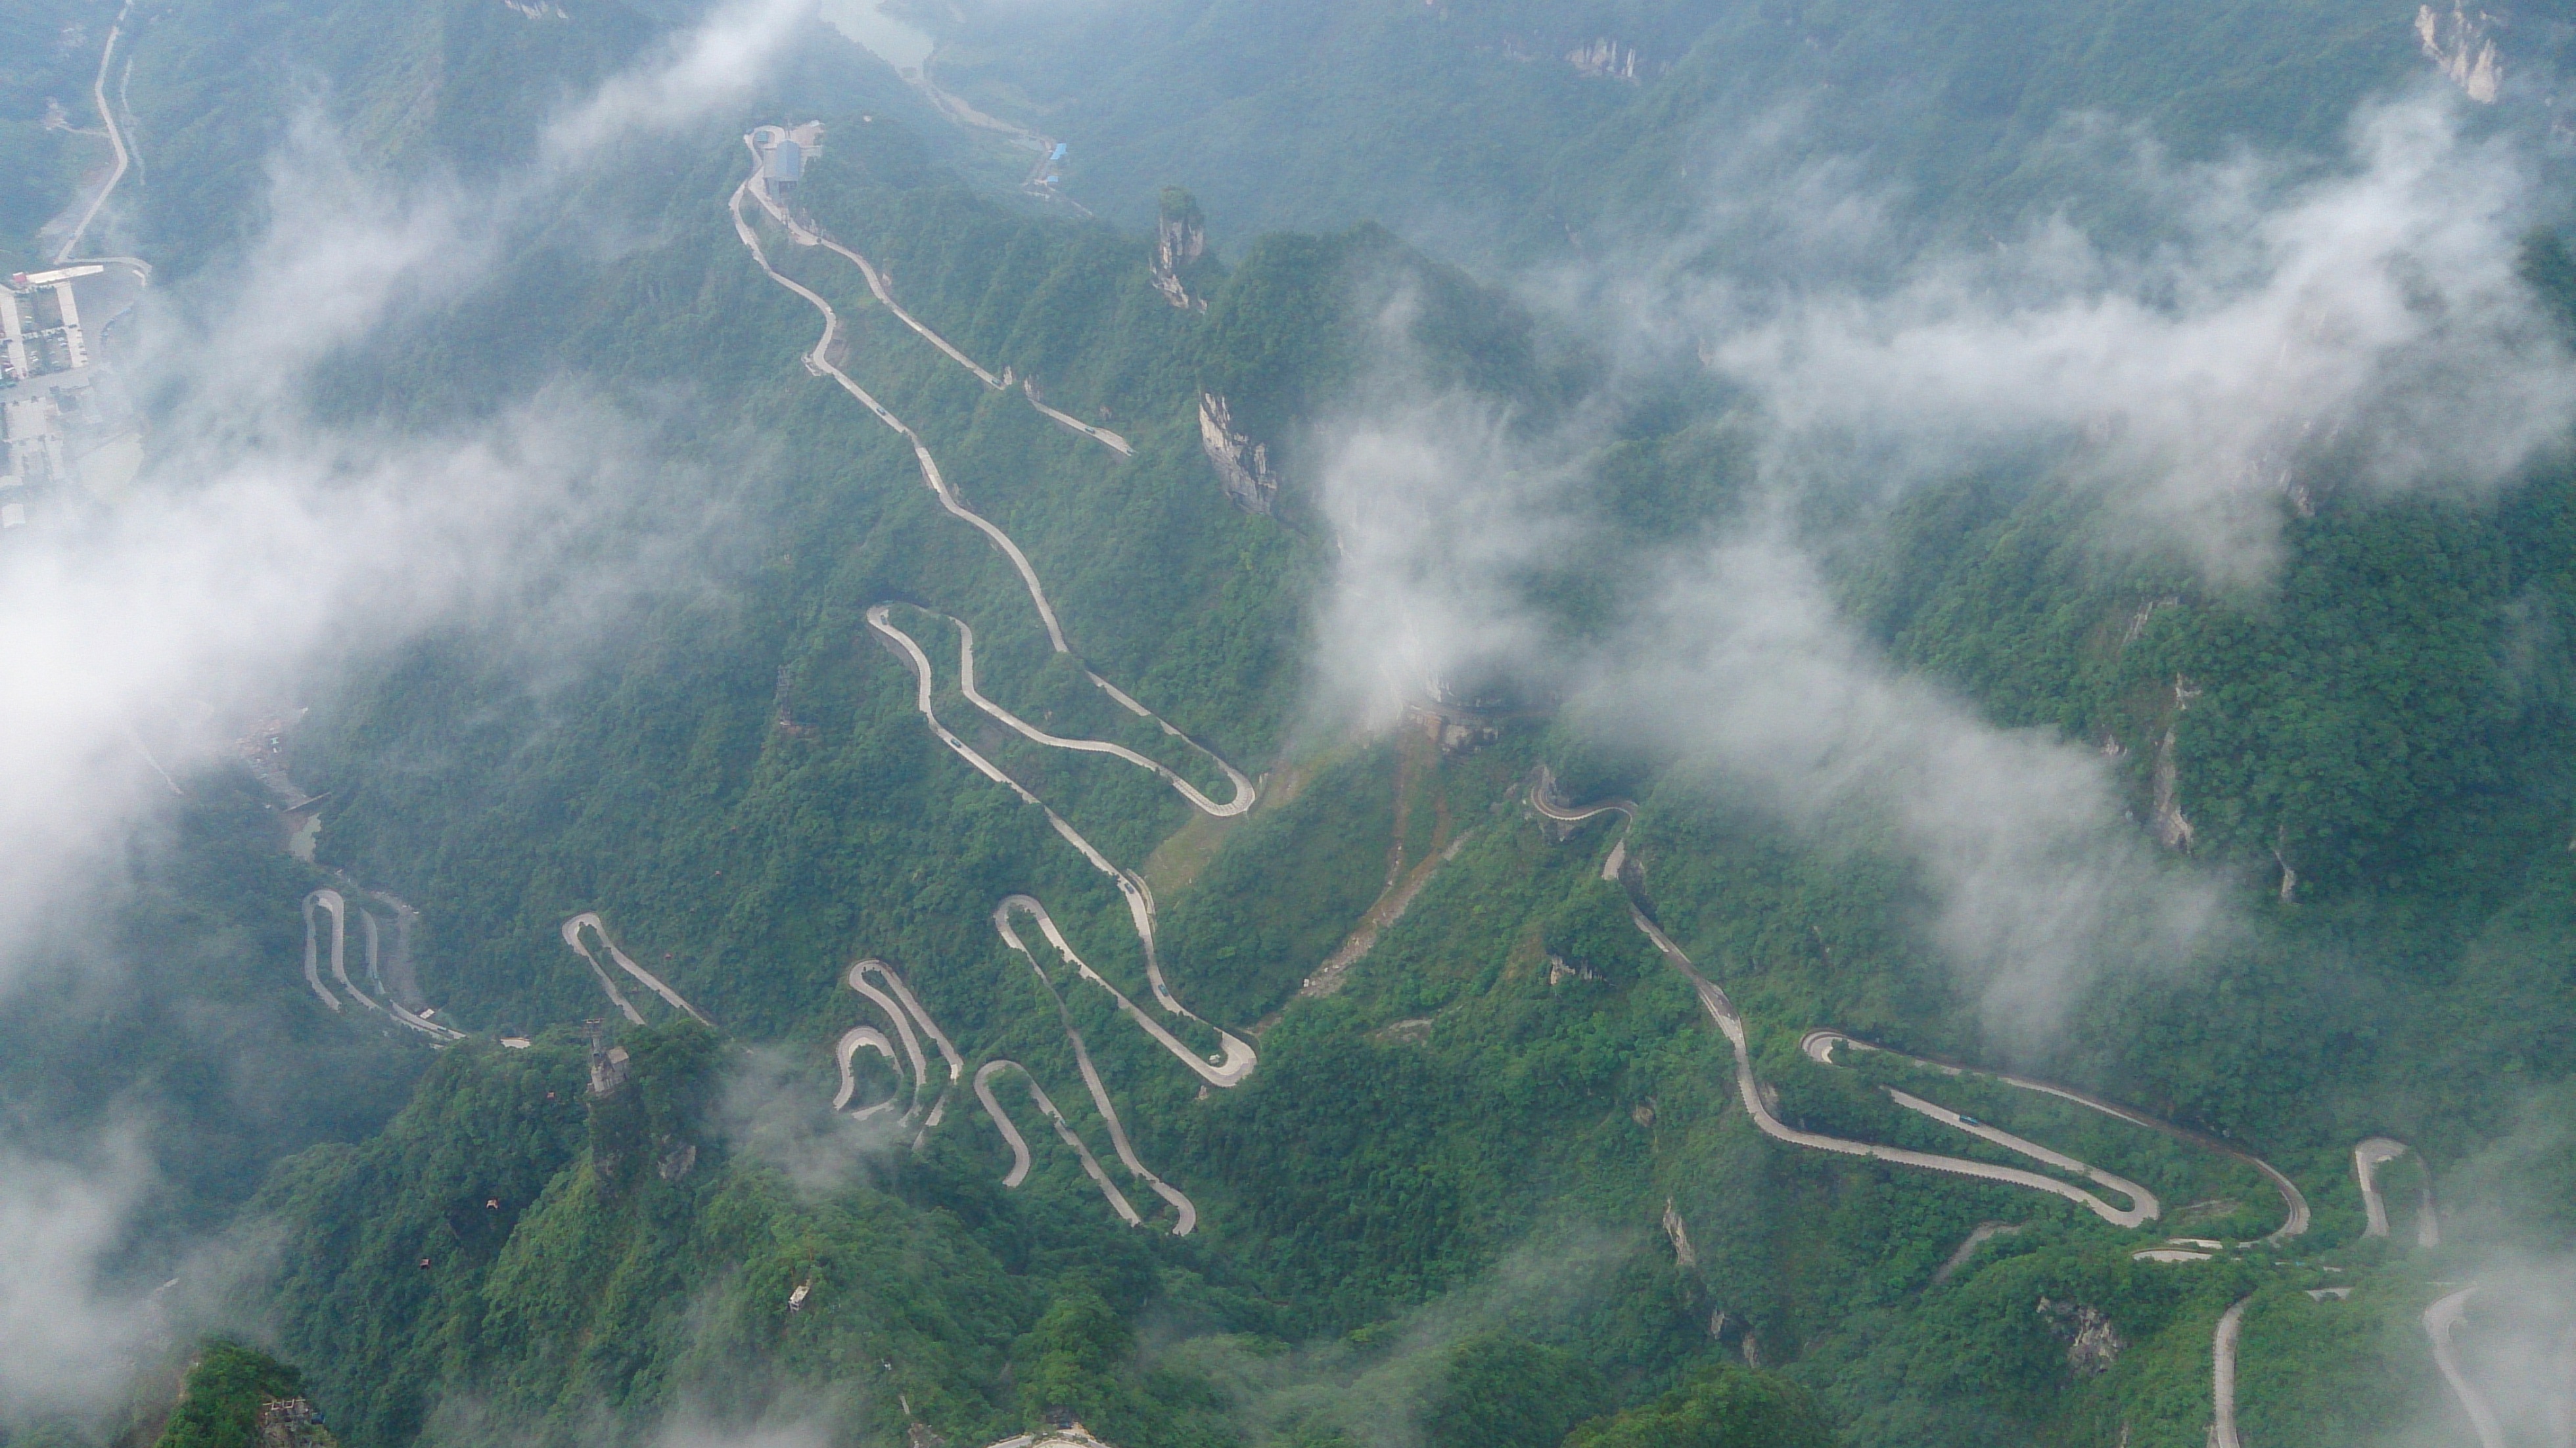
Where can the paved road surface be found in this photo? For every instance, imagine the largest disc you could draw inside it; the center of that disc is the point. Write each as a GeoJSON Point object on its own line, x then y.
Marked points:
{"type": "Point", "coordinates": [1236, 1060]}
{"type": "Point", "coordinates": [850, 1042]}
{"type": "Point", "coordinates": [590, 919]}
{"type": "Point", "coordinates": [2439, 1320]}
{"type": "Point", "coordinates": [1722, 1012]}
{"type": "Point", "coordinates": [1139, 896]}
{"type": "Point", "coordinates": [1819, 1046]}
{"type": "Point", "coordinates": [896, 999]}
{"type": "Point", "coordinates": [1118, 1202]}
{"type": "Point", "coordinates": [115, 139]}
{"type": "Point", "coordinates": [2367, 1157]}
{"type": "Point", "coordinates": [1227, 1069]}
{"type": "Point", "coordinates": [1243, 791]}
{"type": "Point", "coordinates": [337, 906]}
{"type": "Point", "coordinates": [2222, 1391]}
{"type": "Point", "coordinates": [803, 235]}
{"type": "Point", "coordinates": [1023, 904]}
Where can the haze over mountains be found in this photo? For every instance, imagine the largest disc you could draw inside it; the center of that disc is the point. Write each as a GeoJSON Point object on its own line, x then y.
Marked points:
{"type": "Point", "coordinates": [1351, 723]}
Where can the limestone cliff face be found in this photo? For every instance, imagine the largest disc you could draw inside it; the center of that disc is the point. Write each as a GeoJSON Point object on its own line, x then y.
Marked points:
{"type": "Point", "coordinates": [2460, 46]}
{"type": "Point", "coordinates": [2092, 1343]}
{"type": "Point", "coordinates": [1178, 241]}
{"type": "Point", "coordinates": [1605, 59]}
{"type": "Point", "coordinates": [2173, 828]}
{"type": "Point", "coordinates": [1242, 465]}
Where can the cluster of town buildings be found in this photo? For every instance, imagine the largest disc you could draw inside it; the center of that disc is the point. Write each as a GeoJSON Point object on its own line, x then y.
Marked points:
{"type": "Point", "coordinates": [54, 415]}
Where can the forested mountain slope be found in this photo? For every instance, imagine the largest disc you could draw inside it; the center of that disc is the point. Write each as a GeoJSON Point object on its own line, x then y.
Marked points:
{"type": "Point", "coordinates": [1530, 128]}
{"type": "Point", "coordinates": [843, 1051]}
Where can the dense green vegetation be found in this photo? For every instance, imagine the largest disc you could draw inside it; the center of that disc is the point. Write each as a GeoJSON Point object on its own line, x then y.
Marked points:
{"type": "Point", "coordinates": [45, 108]}
{"type": "Point", "coordinates": [1496, 1186]}
{"type": "Point", "coordinates": [1472, 125]}
{"type": "Point", "coordinates": [220, 1398]}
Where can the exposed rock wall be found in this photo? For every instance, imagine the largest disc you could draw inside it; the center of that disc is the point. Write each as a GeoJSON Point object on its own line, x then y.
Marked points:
{"type": "Point", "coordinates": [2092, 1343]}
{"type": "Point", "coordinates": [1605, 60]}
{"type": "Point", "coordinates": [1679, 1235]}
{"type": "Point", "coordinates": [2460, 46]}
{"type": "Point", "coordinates": [1242, 465]}
{"type": "Point", "coordinates": [2173, 829]}
{"type": "Point", "coordinates": [1178, 241]}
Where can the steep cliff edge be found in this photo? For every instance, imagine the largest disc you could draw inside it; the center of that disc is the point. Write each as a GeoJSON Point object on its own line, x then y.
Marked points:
{"type": "Point", "coordinates": [1242, 465]}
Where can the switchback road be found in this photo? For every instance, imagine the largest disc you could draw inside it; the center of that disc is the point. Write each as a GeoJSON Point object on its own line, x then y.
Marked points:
{"type": "Point", "coordinates": [1235, 1061]}
{"type": "Point", "coordinates": [1730, 1024]}
{"type": "Point", "coordinates": [589, 920]}
{"type": "Point", "coordinates": [334, 904]}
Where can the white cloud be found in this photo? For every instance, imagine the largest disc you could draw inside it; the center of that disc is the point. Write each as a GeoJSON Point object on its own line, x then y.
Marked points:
{"type": "Point", "coordinates": [711, 66]}
{"type": "Point", "coordinates": [67, 1339]}
{"type": "Point", "coordinates": [263, 545]}
{"type": "Point", "coordinates": [2363, 329]}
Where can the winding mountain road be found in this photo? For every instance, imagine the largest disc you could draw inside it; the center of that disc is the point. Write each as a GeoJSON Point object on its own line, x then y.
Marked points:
{"type": "Point", "coordinates": [333, 903]}
{"type": "Point", "coordinates": [1028, 905]}
{"type": "Point", "coordinates": [1064, 1131]}
{"type": "Point", "coordinates": [804, 235]}
{"type": "Point", "coordinates": [1818, 1045]}
{"type": "Point", "coordinates": [2368, 1156]}
{"type": "Point", "coordinates": [2222, 1370]}
{"type": "Point", "coordinates": [589, 920]}
{"type": "Point", "coordinates": [115, 139]}
{"type": "Point", "coordinates": [848, 1047]}
{"type": "Point", "coordinates": [1236, 1059]}
{"type": "Point", "coordinates": [2439, 1321]}
{"type": "Point", "coordinates": [1243, 790]}
{"type": "Point", "coordinates": [896, 999]}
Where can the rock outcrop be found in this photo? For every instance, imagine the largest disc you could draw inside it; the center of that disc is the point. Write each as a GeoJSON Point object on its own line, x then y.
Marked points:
{"type": "Point", "coordinates": [1180, 240]}
{"type": "Point", "coordinates": [2460, 47]}
{"type": "Point", "coordinates": [2173, 829]}
{"type": "Point", "coordinates": [2092, 1343]}
{"type": "Point", "coordinates": [1683, 1257]}
{"type": "Point", "coordinates": [1605, 60]}
{"type": "Point", "coordinates": [1242, 465]}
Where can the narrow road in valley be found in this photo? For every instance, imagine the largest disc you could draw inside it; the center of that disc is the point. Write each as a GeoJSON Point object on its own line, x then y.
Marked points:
{"type": "Point", "coordinates": [2439, 1321]}
{"type": "Point", "coordinates": [589, 919]}
{"type": "Point", "coordinates": [1722, 1013]}
{"type": "Point", "coordinates": [115, 140]}
{"type": "Point", "coordinates": [2222, 1387]}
